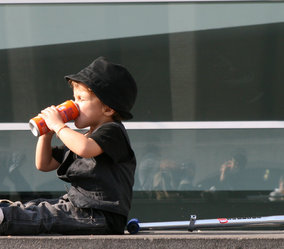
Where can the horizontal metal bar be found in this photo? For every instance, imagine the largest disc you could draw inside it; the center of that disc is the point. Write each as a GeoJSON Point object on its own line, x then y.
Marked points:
{"type": "Point", "coordinates": [205, 125]}
{"type": "Point", "coordinates": [215, 223]}
{"type": "Point", "coordinates": [124, 1]}
{"type": "Point", "coordinates": [173, 125]}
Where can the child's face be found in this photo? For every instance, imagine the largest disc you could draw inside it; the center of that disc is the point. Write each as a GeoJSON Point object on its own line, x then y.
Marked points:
{"type": "Point", "coordinates": [92, 110]}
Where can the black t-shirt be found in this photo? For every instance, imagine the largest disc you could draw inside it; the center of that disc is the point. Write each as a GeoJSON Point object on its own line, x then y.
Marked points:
{"type": "Point", "coordinates": [104, 182]}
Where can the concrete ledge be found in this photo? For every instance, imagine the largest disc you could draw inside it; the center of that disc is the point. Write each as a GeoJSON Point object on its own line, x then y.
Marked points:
{"type": "Point", "coordinates": [152, 239]}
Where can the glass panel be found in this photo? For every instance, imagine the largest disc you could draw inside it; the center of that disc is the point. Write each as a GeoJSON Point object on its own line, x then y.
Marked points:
{"type": "Point", "coordinates": [200, 65]}
{"type": "Point", "coordinates": [192, 62]}
{"type": "Point", "coordinates": [168, 160]}
{"type": "Point", "coordinates": [178, 171]}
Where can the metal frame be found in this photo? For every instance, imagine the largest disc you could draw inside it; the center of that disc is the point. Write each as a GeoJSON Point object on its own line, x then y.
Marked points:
{"type": "Point", "coordinates": [204, 125]}
{"type": "Point", "coordinates": [134, 226]}
{"type": "Point", "coordinates": [123, 1]}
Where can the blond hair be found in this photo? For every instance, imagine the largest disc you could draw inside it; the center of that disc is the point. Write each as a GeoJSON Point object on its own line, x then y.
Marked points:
{"type": "Point", "coordinates": [116, 116]}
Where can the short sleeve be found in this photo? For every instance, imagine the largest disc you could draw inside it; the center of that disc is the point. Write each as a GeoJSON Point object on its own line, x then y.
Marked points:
{"type": "Point", "coordinates": [111, 138]}
{"type": "Point", "coordinates": [58, 153]}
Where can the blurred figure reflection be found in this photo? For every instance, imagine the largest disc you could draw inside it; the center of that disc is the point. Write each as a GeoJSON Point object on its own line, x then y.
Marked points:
{"type": "Point", "coordinates": [231, 167]}
{"type": "Point", "coordinates": [162, 174]}
{"type": "Point", "coordinates": [187, 176]}
{"type": "Point", "coordinates": [148, 168]}
{"type": "Point", "coordinates": [230, 174]}
{"type": "Point", "coordinates": [10, 163]}
{"type": "Point", "coordinates": [278, 193]}
{"type": "Point", "coordinates": [173, 176]}
{"type": "Point", "coordinates": [164, 179]}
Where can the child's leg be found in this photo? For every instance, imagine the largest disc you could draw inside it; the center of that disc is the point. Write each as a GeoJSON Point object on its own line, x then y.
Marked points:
{"type": "Point", "coordinates": [51, 216]}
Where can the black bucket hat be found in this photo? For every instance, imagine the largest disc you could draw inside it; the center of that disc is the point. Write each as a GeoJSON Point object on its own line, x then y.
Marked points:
{"type": "Point", "coordinates": [111, 83]}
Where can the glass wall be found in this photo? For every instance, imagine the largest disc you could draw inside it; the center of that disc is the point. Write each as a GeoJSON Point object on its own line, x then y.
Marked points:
{"type": "Point", "coordinates": [195, 63]}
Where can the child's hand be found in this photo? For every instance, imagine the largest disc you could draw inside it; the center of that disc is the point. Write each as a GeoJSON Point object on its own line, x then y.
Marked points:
{"type": "Point", "coordinates": [52, 118]}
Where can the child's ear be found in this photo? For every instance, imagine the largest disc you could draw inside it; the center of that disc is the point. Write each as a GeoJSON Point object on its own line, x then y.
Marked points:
{"type": "Point", "coordinates": [108, 111]}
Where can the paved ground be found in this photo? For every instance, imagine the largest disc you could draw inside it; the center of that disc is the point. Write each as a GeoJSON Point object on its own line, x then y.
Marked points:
{"type": "Point", "coordinates": [152, 239]}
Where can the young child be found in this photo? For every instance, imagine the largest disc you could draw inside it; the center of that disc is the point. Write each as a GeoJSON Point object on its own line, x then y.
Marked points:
{"type": "Point", "coordinates": [99, 164]}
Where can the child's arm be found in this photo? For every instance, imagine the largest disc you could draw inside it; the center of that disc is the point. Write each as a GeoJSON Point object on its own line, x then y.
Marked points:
{"type": "Point", "coordinates": [43, 158]}
{"type": "Point", "coordinates": [75, 141]}
{"type": "Point", "coordinates": [79, 143]}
